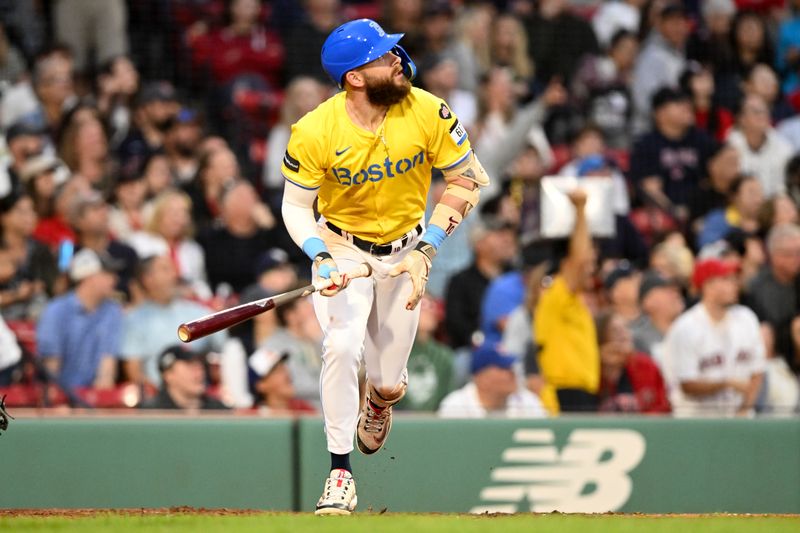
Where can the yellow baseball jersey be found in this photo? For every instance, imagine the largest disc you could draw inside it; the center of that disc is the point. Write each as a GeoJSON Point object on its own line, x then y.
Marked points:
{"type": "Point", "coordinates": [374, 185]}
{"type": "Point", "coordinates": [569, 356]}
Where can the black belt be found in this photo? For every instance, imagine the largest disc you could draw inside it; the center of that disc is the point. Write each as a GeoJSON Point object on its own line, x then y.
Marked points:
{"type": "Point", "coordinates": [373, 247]}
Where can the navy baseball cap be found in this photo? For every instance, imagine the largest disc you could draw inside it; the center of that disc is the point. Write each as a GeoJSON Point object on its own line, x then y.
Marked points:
{"type": "Point", "coordinates": [654, 280]}
{"type": "Point", "coordinates": [488, 355]}
{"type": "Point", "coordinates": [157, 91]}
{"type": "Point", "coordinates": [272, 258]}
{"type": "Point", "coordinates": [24, 127]}
{"type": "Point", "coordinates": [623, 270]}
{"type": "Point", "coordinates": [176, 352]}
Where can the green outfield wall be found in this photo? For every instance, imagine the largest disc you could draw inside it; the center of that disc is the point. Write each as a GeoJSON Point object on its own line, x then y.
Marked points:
{"type": "Point", "coordinates": [568, 464]}
{"type": "Point", "coordinates": [136, 462]}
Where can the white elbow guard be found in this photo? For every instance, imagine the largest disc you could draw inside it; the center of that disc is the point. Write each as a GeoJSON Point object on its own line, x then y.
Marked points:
{"type": "Point", "coordinates": [471, 169]}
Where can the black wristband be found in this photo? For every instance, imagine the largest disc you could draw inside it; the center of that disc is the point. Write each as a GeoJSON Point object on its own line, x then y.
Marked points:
{"type": "Point", "coordinates": [427, 249]}
{"type": "Point", "coordinates": [323, 256]}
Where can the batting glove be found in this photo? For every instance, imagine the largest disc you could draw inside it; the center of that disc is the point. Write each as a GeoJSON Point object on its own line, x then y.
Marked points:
{"type": "Point", "coordinates": [418, 264]}
{"type": "Point", "coordinates": [327, 269]}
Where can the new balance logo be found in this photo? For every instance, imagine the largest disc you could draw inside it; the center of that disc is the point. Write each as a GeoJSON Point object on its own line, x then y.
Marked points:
{"type": "Point", "coordinates": [589, 475]}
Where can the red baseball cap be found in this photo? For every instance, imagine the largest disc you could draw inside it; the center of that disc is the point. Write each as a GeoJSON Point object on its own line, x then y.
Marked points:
{"type": "Point", "coordinates": [712, 268]}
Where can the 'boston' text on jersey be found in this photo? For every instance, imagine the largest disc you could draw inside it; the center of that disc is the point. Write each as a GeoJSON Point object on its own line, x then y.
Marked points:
{"type": "Point", "coordinates": [376, 172]}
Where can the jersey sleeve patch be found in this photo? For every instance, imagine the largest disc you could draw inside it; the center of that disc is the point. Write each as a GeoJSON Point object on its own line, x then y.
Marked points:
{"type": "Point", "coordinates": [290, 162]}
{"type": "Point", "coordinates": [458, 133]}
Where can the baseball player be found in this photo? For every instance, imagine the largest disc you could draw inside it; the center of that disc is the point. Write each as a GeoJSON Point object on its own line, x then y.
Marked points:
{"type": "Point", "coordinates": [366, 155]}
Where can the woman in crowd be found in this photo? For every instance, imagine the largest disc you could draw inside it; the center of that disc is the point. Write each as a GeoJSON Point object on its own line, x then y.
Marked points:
{"type": "Point", "coordinates": [168, 230]}
{"type": "Point", "coordinates": [30, 269]}
{"type": "Point", "coordinates": [630, 381]}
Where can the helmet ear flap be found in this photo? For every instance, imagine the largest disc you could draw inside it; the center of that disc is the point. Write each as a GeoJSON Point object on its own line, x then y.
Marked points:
{"type": "Point", "coordinates": [409, 68]}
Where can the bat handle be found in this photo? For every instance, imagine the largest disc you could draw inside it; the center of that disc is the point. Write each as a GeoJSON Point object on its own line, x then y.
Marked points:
{"type": "Point", "coordinates": [361, 271]}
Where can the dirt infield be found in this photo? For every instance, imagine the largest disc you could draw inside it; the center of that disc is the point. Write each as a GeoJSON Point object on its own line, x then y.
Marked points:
{"type": "Point", "coordinates": [87, 513]}
{"type": "Point", "coordinates": [201, 511]}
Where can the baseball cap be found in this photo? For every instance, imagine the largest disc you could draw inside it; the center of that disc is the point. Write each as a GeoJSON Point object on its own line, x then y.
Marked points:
{"type": "Point", "coordinates": [272, 258]}
{"type": "Point", "coordinates": [623, 270]}
{"type": "Point", "coordinates": [87, 262]}
{"type": "Point", "coordinates": [712, 268]}
{"type": "Point", "coordinates": [487, 355]}
{"type": "Point", "coordinates": [263, 361]}
{"type": "Point", "coordinates": [438, 7]}
{"type": "Point", "coordinates": [38, 164]}
{"type": "Point", "coordinates": [593, 163]}
{"type": "Point", "coordinates": [668, 95]}
{"type": "Point", "coordinates": [157, 91]}
{"type": "Point", "coordinates": [673, 9]}
{"type": "Point", "coordinates": [653, 280]}
{"type": "Point", "coordinates": [487, 224]}
{"type": "Point", "coordinates": [173, 353]}
{"type": "Point", "coordinates": [23, 127]}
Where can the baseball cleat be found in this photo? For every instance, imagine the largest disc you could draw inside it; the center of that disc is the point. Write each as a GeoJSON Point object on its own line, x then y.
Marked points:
{"type": "Point", "coordinates": [339, 494]}
{"type": "Point", "coordinates": [374, 422]}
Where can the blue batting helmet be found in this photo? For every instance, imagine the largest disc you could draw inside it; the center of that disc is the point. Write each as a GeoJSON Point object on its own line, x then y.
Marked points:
{"type": "Point", "coordinates": [358, 42]}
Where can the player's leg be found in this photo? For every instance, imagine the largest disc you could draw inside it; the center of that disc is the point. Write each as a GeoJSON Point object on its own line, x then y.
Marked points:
{"type": "Point", "coordinates": [343, 320]}
{"type": "Point", "coordinates": [391, 329]}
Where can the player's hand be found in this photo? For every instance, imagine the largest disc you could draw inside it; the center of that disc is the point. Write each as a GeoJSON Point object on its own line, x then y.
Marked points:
{"type": "Point", "coordinates": [327, 269]}
{"type": "Point", "coordinates": [418, 265]}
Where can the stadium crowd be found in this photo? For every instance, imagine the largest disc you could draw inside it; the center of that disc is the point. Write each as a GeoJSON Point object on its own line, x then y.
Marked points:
{"type": "Point", "coordinates": [140, 187]}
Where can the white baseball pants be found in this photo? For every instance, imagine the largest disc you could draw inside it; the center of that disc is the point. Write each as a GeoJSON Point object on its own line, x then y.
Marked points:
{"type": "Point", "coordinates": [369, 317]}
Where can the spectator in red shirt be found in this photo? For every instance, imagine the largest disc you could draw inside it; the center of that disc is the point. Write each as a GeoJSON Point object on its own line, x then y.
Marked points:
{"type": "Point", "coordinates": [56, 229]}
{"type": "Point", "coordinates": [698, 82]}
{"type": "Point", "coordinates": [243, 46]}
{"type": "Point", "coordinates": [629, 381]}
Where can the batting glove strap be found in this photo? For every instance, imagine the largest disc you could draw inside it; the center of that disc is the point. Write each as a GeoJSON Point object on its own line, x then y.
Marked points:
{"type": "Point", "coordinates": [325, 265]}
{"type": "Point", "coordinates": [327, 269]}
{"type": "Point", "coordinates": [427, 249]}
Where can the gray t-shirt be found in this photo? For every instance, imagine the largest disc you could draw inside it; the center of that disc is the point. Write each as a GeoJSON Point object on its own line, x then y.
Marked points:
{"type": "Point", "coordinates": [645, 334]}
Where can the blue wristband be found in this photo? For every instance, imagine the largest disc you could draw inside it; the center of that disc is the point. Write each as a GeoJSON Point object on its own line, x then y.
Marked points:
{"type": "Point", "coordinates": [434, 236]}
{"type": "Point", "coordinates": [314, 246]}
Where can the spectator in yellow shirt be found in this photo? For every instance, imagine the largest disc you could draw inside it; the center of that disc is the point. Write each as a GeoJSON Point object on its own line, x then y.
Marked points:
{"type": "Point", "coordinates": [569, 358]}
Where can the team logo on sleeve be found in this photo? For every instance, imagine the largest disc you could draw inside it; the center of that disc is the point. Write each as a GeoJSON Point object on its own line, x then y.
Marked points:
{"type": "Point", "coordinates": [444, 112]}
{"type": "Point", "coordinates": [290, 162]}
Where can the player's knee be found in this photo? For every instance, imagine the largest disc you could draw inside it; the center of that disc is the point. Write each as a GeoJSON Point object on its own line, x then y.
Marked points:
{"type": "Point", "coordinates": [340, 346]}
{"type": "Point", "coordinates": [391, 392]}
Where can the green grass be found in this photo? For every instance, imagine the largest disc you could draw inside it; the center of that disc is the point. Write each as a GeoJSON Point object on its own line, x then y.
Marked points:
{"type": "Point", "coordinates": [404, 523]}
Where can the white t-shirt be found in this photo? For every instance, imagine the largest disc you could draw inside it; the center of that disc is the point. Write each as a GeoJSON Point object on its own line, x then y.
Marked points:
{"type": "Point", "coordinates": [768, 163]}
{"type": "Point", "coordinates": [464, 403]}
{"type": "Point", "coordinates": [10, 352]}
{"type": "Point", "coordinates": [696, 348]}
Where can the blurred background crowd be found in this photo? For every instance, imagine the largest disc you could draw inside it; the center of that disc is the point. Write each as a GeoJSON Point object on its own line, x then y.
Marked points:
{"type": "Point", "coordinates": [140, 187]}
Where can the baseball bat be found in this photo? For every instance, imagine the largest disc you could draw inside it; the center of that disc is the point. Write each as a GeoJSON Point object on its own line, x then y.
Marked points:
{"type": "Point", "coordinates": [226, 318]}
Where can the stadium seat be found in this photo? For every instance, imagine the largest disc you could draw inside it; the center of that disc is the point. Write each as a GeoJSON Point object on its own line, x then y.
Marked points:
{"type": "Point", "coordinates": [25, 331]}
{"type": "Point", "coordinates": [21, 395]}
{"type": "Point", "coordinates": [122, 396]}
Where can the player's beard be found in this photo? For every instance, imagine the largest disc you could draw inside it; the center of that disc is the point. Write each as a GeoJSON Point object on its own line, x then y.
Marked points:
{"type": "Point", "coordinates": [386, 92]}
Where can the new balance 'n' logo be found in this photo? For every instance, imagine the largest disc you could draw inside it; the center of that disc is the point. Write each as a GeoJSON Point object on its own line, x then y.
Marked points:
{"type": "Point", "coordinates": [589, 475]}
